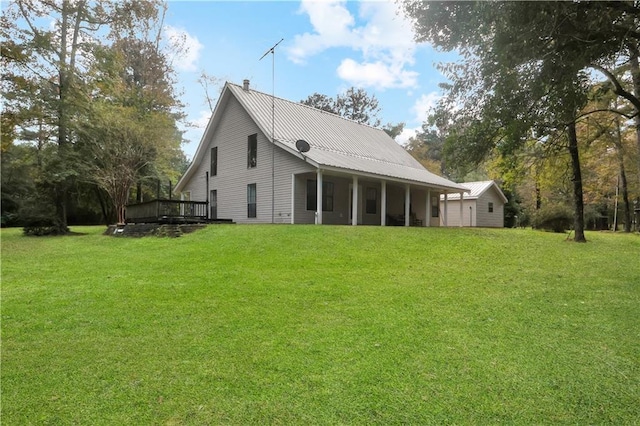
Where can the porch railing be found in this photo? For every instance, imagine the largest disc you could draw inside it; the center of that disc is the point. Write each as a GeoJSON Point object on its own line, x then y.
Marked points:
{"type": "Point", "coordinates": [167, 211]}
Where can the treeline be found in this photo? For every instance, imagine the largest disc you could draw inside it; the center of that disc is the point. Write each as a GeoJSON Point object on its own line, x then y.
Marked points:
{"type": "Point", "coordinates": [89, 111]}
{"type": "Point", "coordinates": [546, 98]}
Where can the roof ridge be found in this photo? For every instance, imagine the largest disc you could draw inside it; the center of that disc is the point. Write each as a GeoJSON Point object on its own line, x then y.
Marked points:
{"type": "Point", "coordinates": [308, 106]}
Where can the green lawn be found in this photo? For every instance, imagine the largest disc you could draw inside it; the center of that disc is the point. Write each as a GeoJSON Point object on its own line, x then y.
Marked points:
{"type": "Point", "coordinates": [321, 325]}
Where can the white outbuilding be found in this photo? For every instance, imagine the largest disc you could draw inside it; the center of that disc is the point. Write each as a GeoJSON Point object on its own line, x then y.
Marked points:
{"type": "Point", "coordinates": [482, 207]}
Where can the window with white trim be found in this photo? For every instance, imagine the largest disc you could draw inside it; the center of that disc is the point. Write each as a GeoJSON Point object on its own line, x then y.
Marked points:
{"type": "Point", "coordinates": [372, 201]}
{"type": "Point", "coordinates": [252, 151]}
{"type": "Point", "coordinates": [327, 195]}
{"type": "Point", "coordinates": [251, 200]}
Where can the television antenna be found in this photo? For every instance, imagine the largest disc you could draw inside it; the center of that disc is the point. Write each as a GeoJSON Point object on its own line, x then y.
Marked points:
{"type": "Point", "coordinates": [272, 50]}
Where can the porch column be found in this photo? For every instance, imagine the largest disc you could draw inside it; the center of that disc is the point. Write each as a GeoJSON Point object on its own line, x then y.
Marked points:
{"type": "Point", "coordinates": [319, 198]}
{"type": "Point", "coordinates": [427, 219]}
{"type": "Point", "coordinates": [461, 207]}
{"type": "Point", "coordinates": [354, 202]}
{"type": "Point", "coordinates": [383, 203]}
{"type": "Point", "coordinates": [446, 210]}
{"type": "Point", "coordinates": [407, 204]}
{"type": "Point", "coordinates": [293, 197]}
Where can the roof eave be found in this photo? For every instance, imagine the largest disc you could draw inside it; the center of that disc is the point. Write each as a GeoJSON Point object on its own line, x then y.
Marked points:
{"type": "Point", "coordinates": [493, 184]}
{"type": "Point", "coordinates": [451, 189]}
{"type": "Point", "coordinates": [200, 152]}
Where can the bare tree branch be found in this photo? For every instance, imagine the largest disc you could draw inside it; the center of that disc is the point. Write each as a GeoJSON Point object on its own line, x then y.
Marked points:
{"type": "Point", "coordinates": [617, 87]}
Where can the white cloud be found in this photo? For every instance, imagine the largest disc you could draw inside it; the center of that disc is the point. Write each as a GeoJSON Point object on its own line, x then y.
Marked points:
{"type": "Point", "coordinates": [376, 74]}
{"type": "Point", "coordinates": [183, 48]}
{"type": "Point", "coordinates": [407, 133]}
{"type": "Point", "coordinates": [202, 121]}
{"type": "Point", "coordinates": [385, 42]}
{"type": "Point", "coordinates": [424, 104]}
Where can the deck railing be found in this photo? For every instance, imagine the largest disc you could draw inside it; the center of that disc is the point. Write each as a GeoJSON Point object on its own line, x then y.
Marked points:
{"type": "Point", "coordinates": [167, 211]}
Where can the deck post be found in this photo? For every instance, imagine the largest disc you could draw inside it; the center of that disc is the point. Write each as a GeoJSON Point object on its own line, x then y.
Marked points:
{"type": "Point", "coordinates": [206, 195]}
{"type": "Point", "coordinates": [461, 207]}
{"type": "Point", "coordinates": [383, 203]}
{"type": "Point", "coordinates": [407, 204]}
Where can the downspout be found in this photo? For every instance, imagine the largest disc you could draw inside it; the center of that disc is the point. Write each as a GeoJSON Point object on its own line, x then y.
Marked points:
{"type": "Point", "coordinates": [206, 174]}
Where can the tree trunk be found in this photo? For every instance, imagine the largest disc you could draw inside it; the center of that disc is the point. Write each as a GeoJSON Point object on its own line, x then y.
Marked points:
{"type": "Point", "coordinates": [625, 198]}
{"type": "Point", "coordinates": [623, 177]}
{"type": "Point", "coordinates": [61, 186]}
{"type": "Point", "coordinates": [139, 192]}
{"type": "Point", "coordinates": [578, 220]}
{"type": "Point", "coordinates": [634, 64]}
{"type": "Point", "coordinates": [103, 207]}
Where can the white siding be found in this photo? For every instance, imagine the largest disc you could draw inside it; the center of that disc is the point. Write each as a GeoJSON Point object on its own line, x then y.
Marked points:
{"type": "Point", "coordinates": [341, 200]}
{"type": "Point", "coordinates": [468, 214]}
{"type": "Point", "coordinates": [486, 219]}
{"type": "Point", "coordinates": [479, 214]}
{"type": "Point", "coordinates": [233, 176]}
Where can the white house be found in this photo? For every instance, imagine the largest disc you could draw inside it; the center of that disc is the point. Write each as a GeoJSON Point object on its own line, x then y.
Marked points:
{"type": "Point", "coordinates": [483, 206]}
{"type": "Point", "coordinates": [316, 168]}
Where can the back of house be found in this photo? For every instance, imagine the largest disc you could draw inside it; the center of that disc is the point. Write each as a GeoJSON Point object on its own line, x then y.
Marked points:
{"type": "Point", "coordinates": [263, 159]}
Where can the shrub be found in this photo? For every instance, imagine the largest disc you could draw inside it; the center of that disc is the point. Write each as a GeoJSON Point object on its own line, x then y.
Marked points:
{"type": "Point", "coordinates": [39, 219]}
{"type": "Point", "coordinates": [42, 225]}
{"type": "Point", "coordinates": [555, 218]}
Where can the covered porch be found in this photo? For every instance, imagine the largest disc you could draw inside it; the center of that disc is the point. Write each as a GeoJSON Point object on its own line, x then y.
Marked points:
{"type": "Point", "coordinates": [335, 197]}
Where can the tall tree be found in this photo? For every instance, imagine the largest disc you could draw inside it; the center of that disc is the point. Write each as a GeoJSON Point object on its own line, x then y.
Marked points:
{"type": "Point", "coordinates": [63, 66]}
{"type": "Point", "coordinates": [393, 130]}
{"type": "Point", "coordinates": [524, 70]}
{"type": "Point", "coordinates": [358, 105]}
{"type": "Point", "coordinates": [119, 151]}
{"type": "Point", "coordinates": [55, 56]}
{"type": "Point", "coordinates": [322, 102]}
{"type": "Point", "coordinates": [355, 104]}
{"type": "Point", "coordinates": [426, 147]}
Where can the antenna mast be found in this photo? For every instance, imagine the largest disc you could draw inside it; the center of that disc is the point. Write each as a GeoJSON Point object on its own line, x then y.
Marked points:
{"type": "Point", "coordinates": [272, 50]}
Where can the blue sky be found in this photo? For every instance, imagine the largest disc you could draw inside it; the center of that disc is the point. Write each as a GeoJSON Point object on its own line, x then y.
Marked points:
{"type": "Point", "coordinates": [328, 47]}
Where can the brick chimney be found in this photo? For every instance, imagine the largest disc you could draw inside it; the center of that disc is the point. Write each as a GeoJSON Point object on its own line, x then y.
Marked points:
{"type": "Point", "coordinates": [245, 85]}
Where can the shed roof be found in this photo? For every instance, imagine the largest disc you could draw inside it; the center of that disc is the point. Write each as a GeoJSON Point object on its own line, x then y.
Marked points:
{"type": "Point", "coordinates": [336, 143]}
{"type": "Point", "coordinates": [476, 189]}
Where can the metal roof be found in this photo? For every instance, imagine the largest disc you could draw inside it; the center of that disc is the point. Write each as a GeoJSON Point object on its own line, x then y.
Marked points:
{"type": "Point", "coordinates": [476, 190]}
{"type": "Point", "coordinates": [334, 140]}
{"type": "Point", "coordinates": [336, 143]}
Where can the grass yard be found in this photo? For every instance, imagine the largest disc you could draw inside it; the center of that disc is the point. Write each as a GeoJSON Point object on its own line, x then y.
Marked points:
{"type": "Point", "coordinates": [321, 325]}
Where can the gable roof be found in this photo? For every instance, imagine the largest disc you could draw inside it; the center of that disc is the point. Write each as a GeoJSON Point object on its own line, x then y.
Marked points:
{"type": "Point", "coordinates": [336, 143]}
{"type": "Point", "coordinates": [476, 190]}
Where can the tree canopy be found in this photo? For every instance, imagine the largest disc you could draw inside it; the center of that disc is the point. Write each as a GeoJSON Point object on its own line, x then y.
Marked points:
{"type": "Point", "coordinates": [355, 104]}
{"type": "Point", "coordinates": [525, 73]}
{"type": "Point", "coordinates": [66, 85]}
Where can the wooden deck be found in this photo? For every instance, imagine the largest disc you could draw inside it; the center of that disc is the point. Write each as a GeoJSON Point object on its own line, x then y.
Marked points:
{"type": "Point", "coordinates": [167, 211]}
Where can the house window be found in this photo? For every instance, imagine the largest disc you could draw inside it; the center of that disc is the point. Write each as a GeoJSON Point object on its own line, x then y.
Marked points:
{"type": "Point", "coordinates": [214, 204]}
{"type": "Point", "coordinates": [372, 201]}
{"type": "Point", "coordinates": [252, 151]}
{"type": "Point", "coordinates": [251, 200]}
{"type": "Point", "coordinates": [490, 207]}
{"type": "Point", "coordinates": [214, 161]}
{"type": "Point", "coordinates": [327, 196]}
{"type": "Point", "coordinates": [435, 206]}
